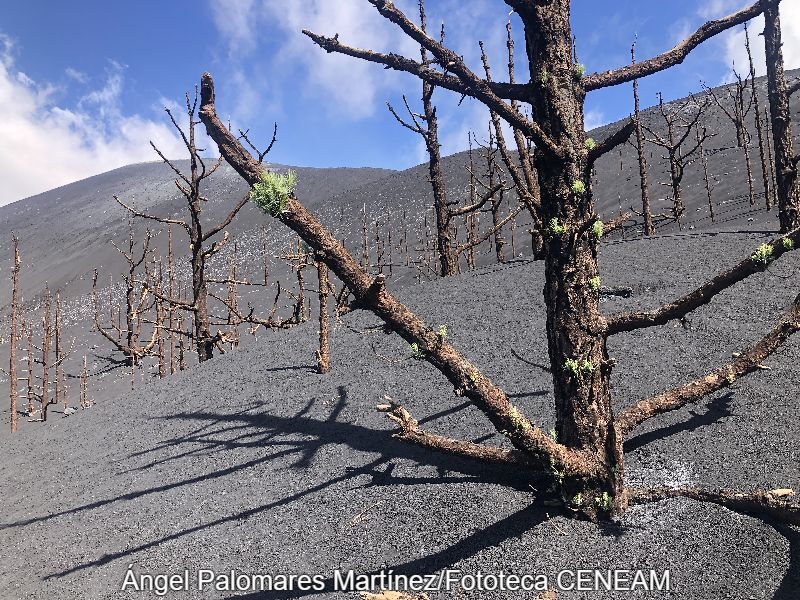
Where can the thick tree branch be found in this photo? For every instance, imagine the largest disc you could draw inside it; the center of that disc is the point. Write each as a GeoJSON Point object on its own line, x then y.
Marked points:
{"type": "Point", "coordinates": [672, 57]}
{"type": "Point", "coordinates": [371, 293]}
{"type": "Point", "coordinates": [411, 433]}
{"type": "Point", "coordinates": [748, 361]}
{"type": "Point", "coordinates": [401, 63]}
{"type": "Point", "coordinates": [704, 294]}
{"type": "Point", "coordinates": [457, 212]}
{"type": "Point", "coordinates": [611, 142]}
{"type": "Point", "coordinates": [469, 83]}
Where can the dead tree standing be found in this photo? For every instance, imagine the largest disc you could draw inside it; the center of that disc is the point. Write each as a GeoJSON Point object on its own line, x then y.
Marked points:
{"type": "Point", "coordinates": [737, 114]}
{"type": "Point", "coordinates": [12, 354]}
{"type": "Point", "coordinates": [678, 157]}
{"type": "Point", "coordinates": [786, 160]}
{"type": "Point", "coordinates": [323, 353]}
{"type": "Point", "coordinates": [586, 463]}
{"type": "Point", "coordinates": [200, 252]}
{"type": "Point", "coordinates": [136, 304]}
{"type": "Point", "coordinates": [769, 188]}
{"type": "Point", "coordinates": [647, 212]}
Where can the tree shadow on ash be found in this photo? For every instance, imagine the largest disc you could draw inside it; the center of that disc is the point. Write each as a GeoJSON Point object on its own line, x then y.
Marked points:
{"type": "Point", "coordinates": [790, 584]}
{"type": "Point", "coordinates": [717, 409]}
{"type": "Point", "coordinates": [471, 545]}
{"type": "Point", "coordinates": [303, 436]}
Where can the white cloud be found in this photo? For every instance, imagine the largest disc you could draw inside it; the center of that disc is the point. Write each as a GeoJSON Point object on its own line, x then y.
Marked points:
{"type": "Point", "coordinates": [46, 145]}
{"type": "Point", "coordinates": [594, 118]}
{"type": "Point", "coordinates": [76, 75]}
{"type": "Point", "coordinates": [236, 21]}
{"type": "Point", "coordinates": [735, 52]}
{"type": "Point", "coordinates": [713, 9]}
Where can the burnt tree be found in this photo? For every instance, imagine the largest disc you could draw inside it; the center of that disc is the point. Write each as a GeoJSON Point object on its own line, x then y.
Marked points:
{"type": "Point", "coordinates": [448, 259]}
{"type": "Point", "coordinates": [126, 339]}
{"type": "Point", "coordinates": [769, 188]}
{"type": "Point", "coordinates": [586, 464]}
{"type": "Point", "coordinates": [12, 353]}
{"type": "Point", "coordinates": [741, 105]}
{"type": "Point", "coordinates": [198, 232]}
{"type": "Point", "coordinates": [647, 213]}
{"type": "Point", "coordinates": [678, 156]}
{"type": "Point", "coordinates": [787, 183]}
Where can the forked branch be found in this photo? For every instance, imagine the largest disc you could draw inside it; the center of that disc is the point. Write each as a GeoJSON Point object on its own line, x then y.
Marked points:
{"type": "Point", "coordinates": [748, 361]}
{"type": "Point", "coordinates": [410, 432]}
{"type": "Point", "coordinates": [372, 294]}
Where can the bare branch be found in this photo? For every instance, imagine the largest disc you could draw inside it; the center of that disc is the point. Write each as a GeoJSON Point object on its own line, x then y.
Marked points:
{"type": "Point", "coordinates": [611, 142]}
{"type": "Point", "coordinates": [227, 220]}
{"type": "Point", "coordinates": [490, 193]}
{"type": "Point", "coordinates": [468, 82]}
{"type": "Point", "coordinates": [703, 294]}
{"type": "Point", "coordinates": [410, 432]}
{"type": "Point", "coordinates": [748, 361]}
{"type": "Point", "coordinates": [672, 57]}
{"type": "Point", "coordinates": [136, 213]}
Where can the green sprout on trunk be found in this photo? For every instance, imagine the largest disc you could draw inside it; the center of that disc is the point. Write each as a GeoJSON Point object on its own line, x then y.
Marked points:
{"type": "Point", "coordinates": [578, 187]}
{"type": "Point", "coordinates": [417, 353]}
{"type": "Point", "coordinates": [787, 244]}
{"type": "Point", "coordinates": [580, 70]}
{"type": "Point", "coordinates": [590, 144]}
{"type": "Point", "coordinates": [763, 255]}
{"type": "Point", "coordinates": [597, 229]}
{"type": "Point", "coordinates": [544, 77]}
{"type": "Point", "coordinates": [594, 283]}
{"type": "Point", "coordinates": [603, 501]}
{"type": "Point", "coordinates": [556, 228]}
{"type": "Point", "coordinates": [272, 193]}
{"type": "Point", "coordinates": [517, 420]}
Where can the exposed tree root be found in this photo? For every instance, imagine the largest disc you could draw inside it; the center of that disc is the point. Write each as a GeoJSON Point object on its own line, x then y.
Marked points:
{"type": "Point", "coordinates": [776, 504]}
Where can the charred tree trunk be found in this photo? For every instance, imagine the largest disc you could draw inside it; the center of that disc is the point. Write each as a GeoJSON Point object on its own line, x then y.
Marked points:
{"type": "Point", "coordinates": [765, 172]}
{"type": "Point", "coordinates": [12, 353]}
{"type": "Point", "coordinates": [31, 396]}
{"type": "Point", "coordinates": [576, 344]}
{"type": "Point", "coordinates": [323, 353]}
{"type": "Point", "coordinates": [47, 332]}
{"type": "Point", "coordinates": [786, 160]}
{"type": "Point", "coordinates": [706, 175]}
{"type": "Point", "coordinates": [647, 213]}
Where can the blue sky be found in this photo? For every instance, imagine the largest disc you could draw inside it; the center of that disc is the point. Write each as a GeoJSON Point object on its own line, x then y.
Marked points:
{"type": "Point", "coordinates": [83, 85]}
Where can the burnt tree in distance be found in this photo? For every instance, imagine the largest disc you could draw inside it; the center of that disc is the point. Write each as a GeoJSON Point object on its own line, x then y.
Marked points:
{"type": "Point", "coordinates": [136, 303]}
{"type": "Point", "coordinates": [678, 156]}
{"type": "Point", "coordinates": [787, 183]}
{"type": "Point", "coordinates": [647, 213]}
{"type": "Point", "coordinates": [769, 188]}
{"type": "Point", "coordinates": [12, 353]}
{"type": "Point", "coordinates": [200, 251]}
{"type": "Point", "coordinates": [740, 108]}
{"type": "Point", "coordinates": [447, 249]}
{"type": "Point", "coordinates": [586, 463]}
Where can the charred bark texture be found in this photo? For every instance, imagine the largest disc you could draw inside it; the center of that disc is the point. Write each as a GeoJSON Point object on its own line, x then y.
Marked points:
{"type": "Point", "coordinates": [788, 186]}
